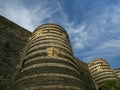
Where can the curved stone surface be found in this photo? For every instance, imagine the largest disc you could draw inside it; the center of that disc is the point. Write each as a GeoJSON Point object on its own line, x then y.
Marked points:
{"type": "Point", "coordinates": [100, 70]}
{"type": "Point", "coordinates": [48, 62]}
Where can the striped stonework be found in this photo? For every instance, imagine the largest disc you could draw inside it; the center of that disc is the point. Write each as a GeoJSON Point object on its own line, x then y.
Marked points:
{"type": "Point", "coordinates": [101, 71]}
{"type": "Point", "coordinates": [48, 63]}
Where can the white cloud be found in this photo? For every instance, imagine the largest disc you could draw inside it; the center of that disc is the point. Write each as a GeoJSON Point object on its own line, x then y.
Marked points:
{"type": "Point", "coordinates": [103, 34]}
{"type": "Point", "coordinates": [28, 18]}
{"type": "Point", "coordinates": [78, 36]}
{"type": "Point", "coordinates": [17, 12]}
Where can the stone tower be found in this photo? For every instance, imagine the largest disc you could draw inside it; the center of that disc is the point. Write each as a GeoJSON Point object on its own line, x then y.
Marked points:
{"type": "Point", "coordinates": [101, 71]}
{"type": "Point", "coordinates": [48, 62]}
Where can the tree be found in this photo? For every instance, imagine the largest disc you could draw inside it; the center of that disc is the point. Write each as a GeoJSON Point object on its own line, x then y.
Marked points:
{"type": "Point", "coordinates": [111, 85]}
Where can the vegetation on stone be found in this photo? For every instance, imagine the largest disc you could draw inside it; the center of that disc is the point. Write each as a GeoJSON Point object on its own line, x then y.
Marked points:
{"type": "Point", "coordinates": [111, 85]}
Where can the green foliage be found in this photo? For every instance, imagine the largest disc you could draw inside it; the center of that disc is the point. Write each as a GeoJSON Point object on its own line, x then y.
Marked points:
{"type": "Point", "coordinates": [111, 85]}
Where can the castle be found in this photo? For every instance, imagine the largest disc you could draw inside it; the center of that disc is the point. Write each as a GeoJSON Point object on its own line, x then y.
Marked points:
{"type": "Point", "coordinates": [42, 60]}
{"type": "Point", "coordinates": [49, 63]}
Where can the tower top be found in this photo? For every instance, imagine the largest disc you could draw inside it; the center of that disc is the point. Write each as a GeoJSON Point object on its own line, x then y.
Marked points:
{"type": "Point", "coordinates": [52, 25]}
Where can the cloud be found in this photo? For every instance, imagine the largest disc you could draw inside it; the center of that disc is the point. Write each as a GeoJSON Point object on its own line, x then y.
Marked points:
{"type": "Point", "coordinates": [17, 12]}
{"type": "Point", "coordinates": [44, 10]}
{"type": "Point", "coordinates": [28, 17]}
{"type": "Point", "coordinates": [103, 32]}
{"type": "Point", "coordinates": [78, 36]}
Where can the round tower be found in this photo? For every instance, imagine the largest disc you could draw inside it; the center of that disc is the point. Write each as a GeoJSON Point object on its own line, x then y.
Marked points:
{"type": "Point", "coordinates": [101, 71]}
{"type": "Point", "coordinates": [48, 62]}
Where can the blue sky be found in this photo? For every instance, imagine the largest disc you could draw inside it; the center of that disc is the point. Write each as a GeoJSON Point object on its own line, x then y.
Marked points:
{"type": "Point", "coordinates": [93, 25]}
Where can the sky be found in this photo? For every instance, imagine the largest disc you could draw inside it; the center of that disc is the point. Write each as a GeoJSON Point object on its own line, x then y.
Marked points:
{"type": "Point", "coordinates": [93, 25]}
